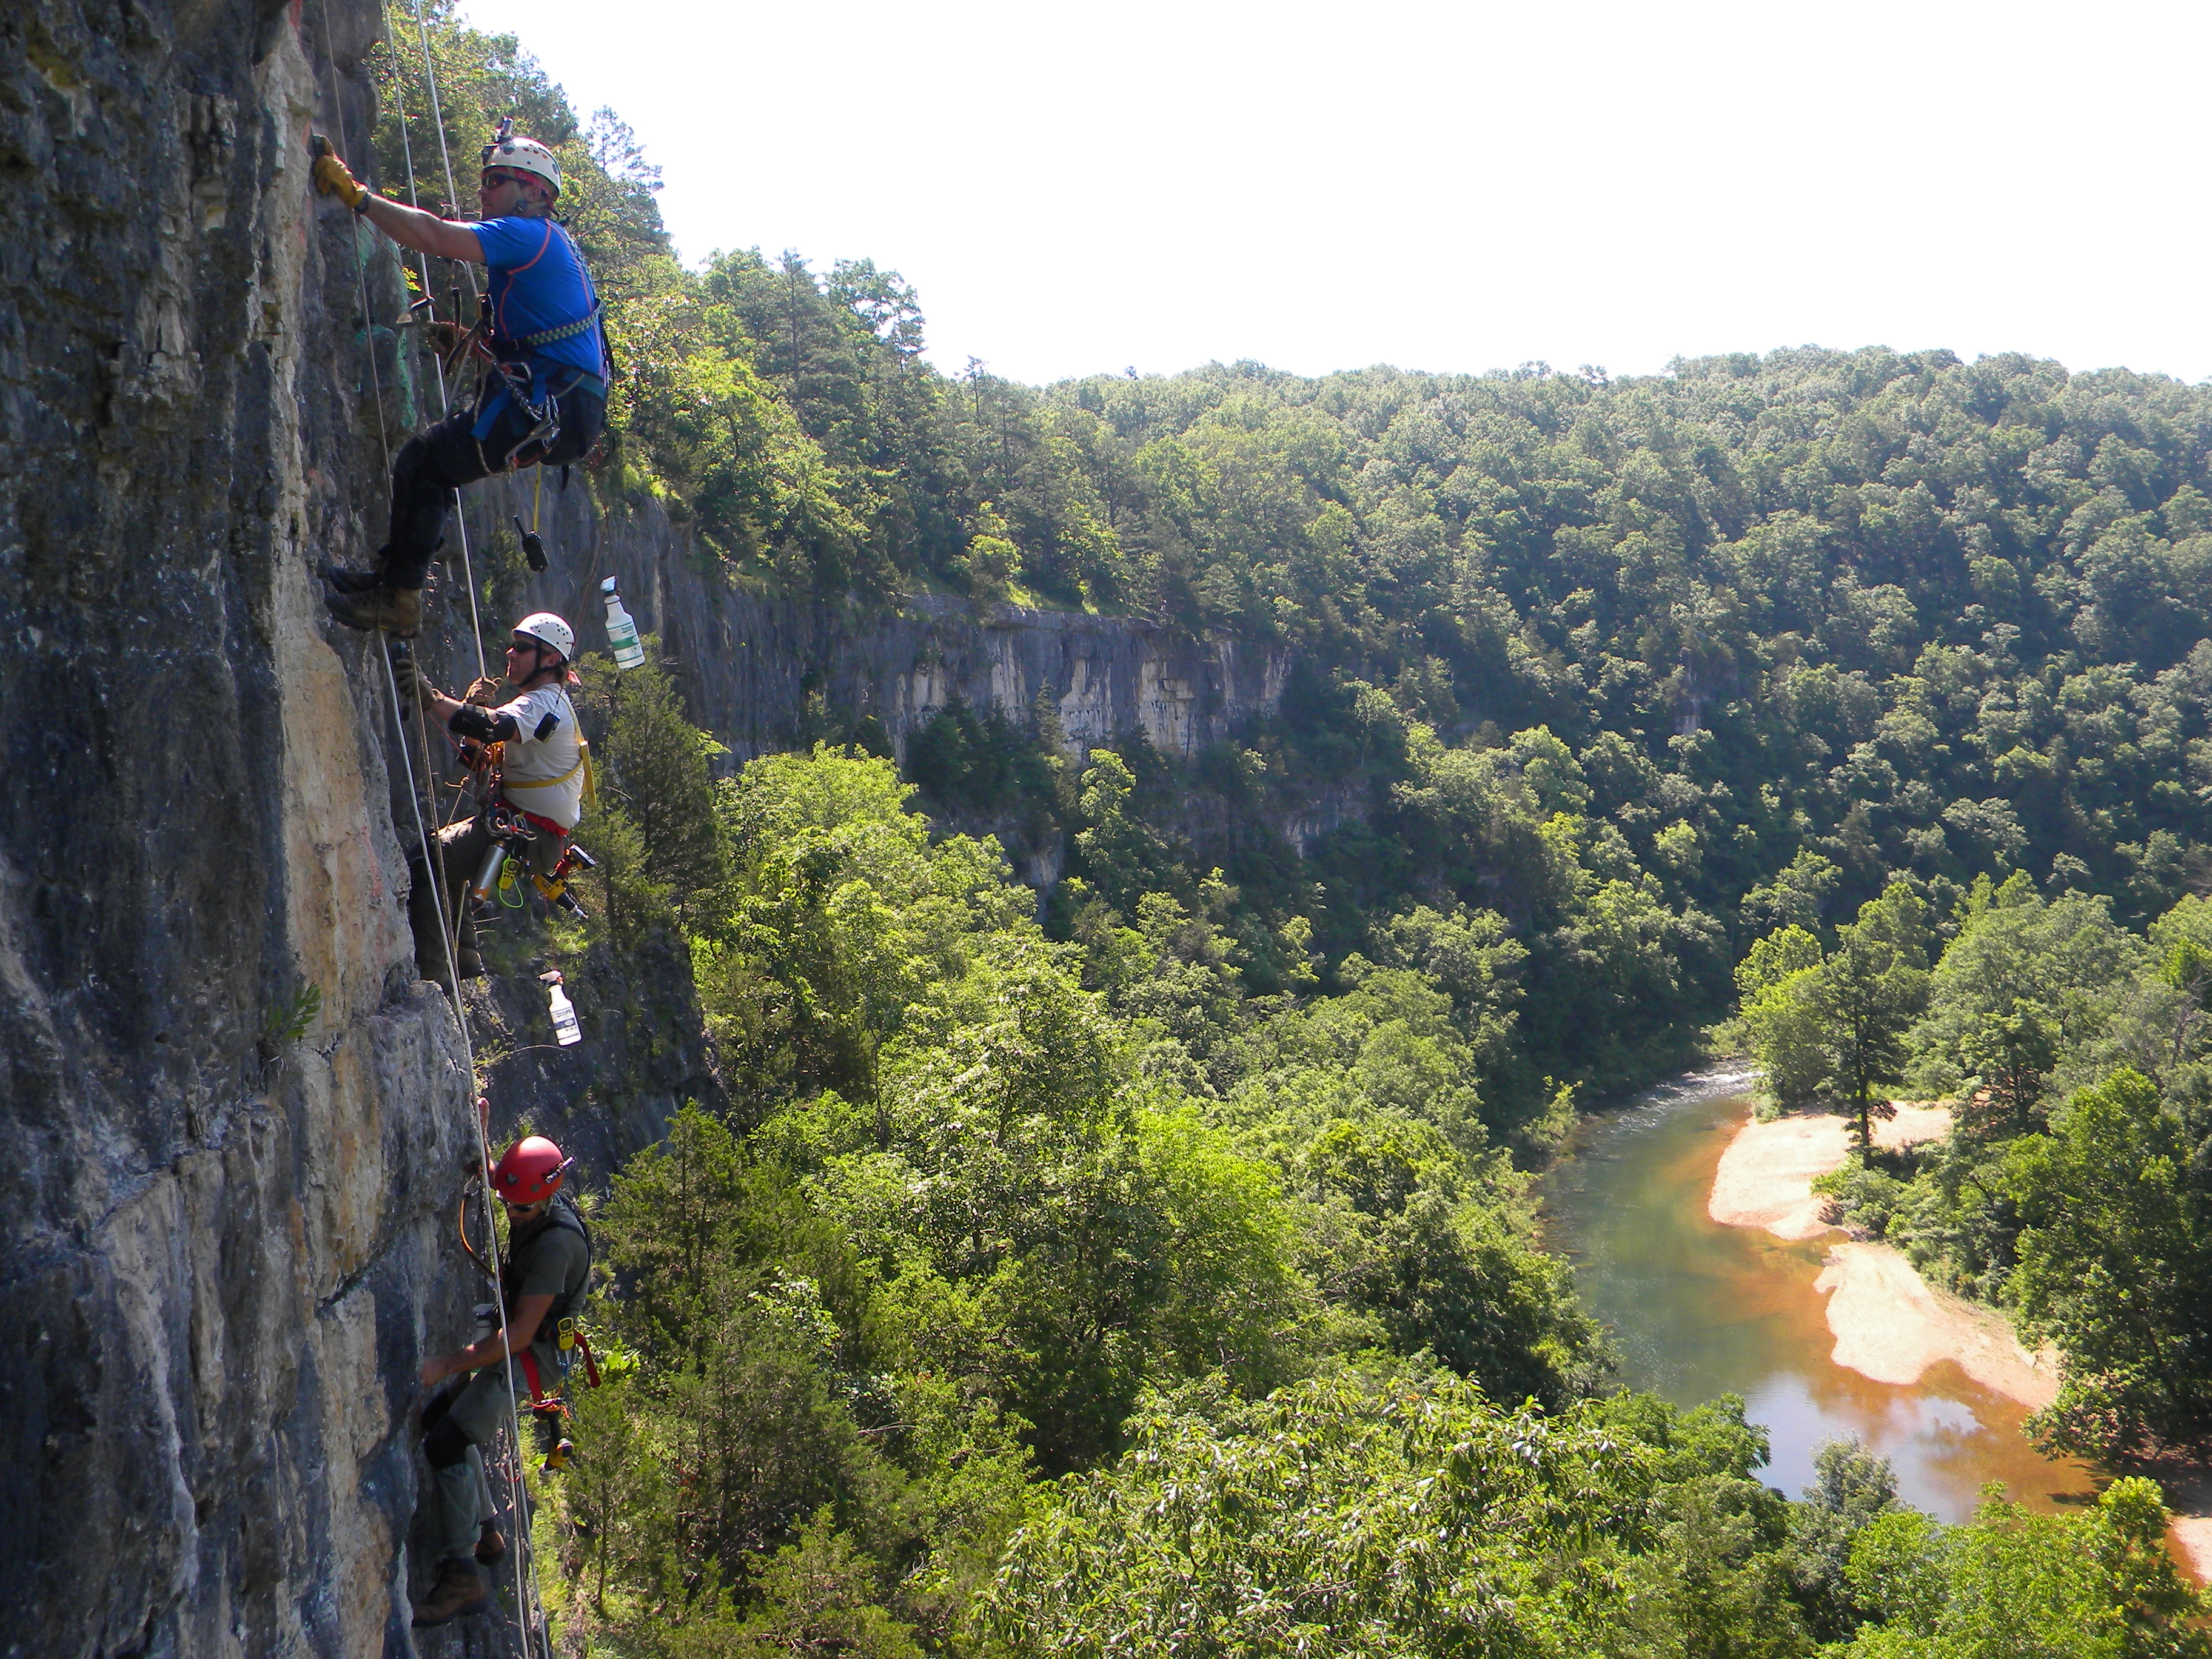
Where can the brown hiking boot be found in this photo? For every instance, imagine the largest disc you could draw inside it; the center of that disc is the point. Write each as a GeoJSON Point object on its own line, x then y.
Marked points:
{"type": "Point", "coordinates": [491, 1548]}
{"type": "Point", "coordinates": [397, 610]}
{"type": "Point", "coordinates": [460, 1588]}
{"type": "Point", "coordinates": [468, 963]}
{"type": "Point", "coordinates": [353, 581]}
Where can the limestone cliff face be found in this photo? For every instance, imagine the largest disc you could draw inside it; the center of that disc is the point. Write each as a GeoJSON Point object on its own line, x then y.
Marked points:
{"type": "Point", "coordinates": [749, 663]}
{"type": "Point", "coordinates": [222, 1239]}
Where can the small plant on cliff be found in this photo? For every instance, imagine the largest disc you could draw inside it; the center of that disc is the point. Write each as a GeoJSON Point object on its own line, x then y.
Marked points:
{"type": "Point", "coordinates": [288, 1018]}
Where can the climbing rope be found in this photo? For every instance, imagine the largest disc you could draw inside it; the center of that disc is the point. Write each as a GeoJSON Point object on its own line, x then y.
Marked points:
{"type": "Point", "coordinates": [437, 359]}
{"type": "Point", "coordinates": [413, 200]}
{"type": "Point", "coordinates": [529, 1608]}
{"type": "Point", "coordinates": [437, 118]}
{"type": "Point", "coordinates": [359, 258]}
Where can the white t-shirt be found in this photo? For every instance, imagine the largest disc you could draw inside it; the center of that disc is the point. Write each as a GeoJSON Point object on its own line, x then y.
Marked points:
{"type": "Point", "coordinates": [544, 775]}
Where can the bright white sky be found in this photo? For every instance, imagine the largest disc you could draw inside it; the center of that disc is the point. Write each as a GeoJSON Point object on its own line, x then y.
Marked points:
{"type": "Point", "coordinates": [1076, 188]}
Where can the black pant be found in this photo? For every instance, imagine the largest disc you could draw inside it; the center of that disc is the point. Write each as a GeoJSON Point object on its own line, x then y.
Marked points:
{"type": "Point", "coordinates": [433, 465]}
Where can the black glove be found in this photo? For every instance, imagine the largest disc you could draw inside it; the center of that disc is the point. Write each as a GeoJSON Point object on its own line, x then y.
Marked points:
{"type": "Point", "coordinates": [410, 679]}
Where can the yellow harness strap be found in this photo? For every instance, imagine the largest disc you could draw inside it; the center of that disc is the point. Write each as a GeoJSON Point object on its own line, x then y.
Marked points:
{"type": "Point", "coordinates": [546, 783]}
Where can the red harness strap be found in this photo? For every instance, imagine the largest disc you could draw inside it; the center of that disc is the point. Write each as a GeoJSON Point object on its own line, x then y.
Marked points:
{"type": "Point", "coordinates": [538, 1394]}
{"type": "Point", "coordinates": [555, 830]}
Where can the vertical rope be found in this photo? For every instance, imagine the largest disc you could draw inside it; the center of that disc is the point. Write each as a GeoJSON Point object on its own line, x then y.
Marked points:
{"type": "Point", "coordinates": [353, 231]}
{"type": "Point", "coordinates": [437, 116]}
{"type": "Point", "coordinates": [445, 400]}
{"type": "Point", "coordinates": [468, 571]}
{"type": "Point", "coordinates": [528, 1610]}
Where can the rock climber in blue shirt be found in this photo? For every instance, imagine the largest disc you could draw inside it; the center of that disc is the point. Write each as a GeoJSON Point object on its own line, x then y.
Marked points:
{"type": "Point", "coordinates": [545, 405]}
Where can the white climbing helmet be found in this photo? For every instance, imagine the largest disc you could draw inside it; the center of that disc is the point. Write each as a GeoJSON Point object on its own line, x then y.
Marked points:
{"type": "Point", "coordinates": [524, 156]}
{"type": "Point", "coordinates": [545, 626]}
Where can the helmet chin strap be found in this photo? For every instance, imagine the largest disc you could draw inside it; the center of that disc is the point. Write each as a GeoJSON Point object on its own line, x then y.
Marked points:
{"type": "Point", "coordinates": [543, 676]}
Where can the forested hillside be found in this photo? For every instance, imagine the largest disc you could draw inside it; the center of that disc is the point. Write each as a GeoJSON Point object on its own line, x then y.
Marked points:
{"type": "Point", "coordinates": [1149, 1265]}
{"type": "Point", "coordinates": [1642, 669]}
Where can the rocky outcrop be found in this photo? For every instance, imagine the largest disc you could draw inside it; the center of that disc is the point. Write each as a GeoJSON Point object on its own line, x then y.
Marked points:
{"type": "Point", "coordinates": [749, 662]}
{"type": "Point", "coordinates": [233, 1119]}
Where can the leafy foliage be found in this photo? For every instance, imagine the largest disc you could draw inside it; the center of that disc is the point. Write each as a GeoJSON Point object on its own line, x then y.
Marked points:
{"type": "Point", "coordinates": [2018, 1582]}
{"type": "Point", "coordinates": [1153, 1267]}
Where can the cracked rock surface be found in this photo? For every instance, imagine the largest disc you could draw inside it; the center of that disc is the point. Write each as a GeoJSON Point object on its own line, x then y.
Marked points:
{"type": "Point", "coordinates": [233, 1120]}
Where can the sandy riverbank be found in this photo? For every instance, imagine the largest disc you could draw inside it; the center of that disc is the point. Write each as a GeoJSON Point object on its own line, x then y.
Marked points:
{"type": "Point", "coordinates": [1892, 1325]}
{"type": "Point", "coordinates": [1765, 1176]}
{"type": "Point", "coordinates": [1889, 1323]}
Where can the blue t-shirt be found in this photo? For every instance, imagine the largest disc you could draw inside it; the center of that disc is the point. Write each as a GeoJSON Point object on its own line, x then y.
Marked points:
{"type": "Point", "coordinates": [539, 282]}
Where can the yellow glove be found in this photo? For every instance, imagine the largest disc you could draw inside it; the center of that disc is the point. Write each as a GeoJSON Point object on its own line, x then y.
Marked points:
{"type": "Point", "coordinates": [484, 692]}
{"type": "Point", "coordinates": [332, 179]}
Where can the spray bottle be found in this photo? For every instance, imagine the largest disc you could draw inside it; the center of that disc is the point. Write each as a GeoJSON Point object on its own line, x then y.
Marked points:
{"type": "Point", "coordinates": [566, 1030]}
{"type": "Point", "coordinates": [622, 631]}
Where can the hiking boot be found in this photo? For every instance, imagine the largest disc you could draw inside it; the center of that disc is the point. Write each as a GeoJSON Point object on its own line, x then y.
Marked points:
{"type": "Point", "coordinates": [397, 610]}
{"type": "Point", "coordinates": [468, 963]}
{"type": "Point", "coordinates": [460, 1588]}
{"type": "Point", "coordinates": [491, 1548]}
{"type": "Point", "coordinates": [353, 581]}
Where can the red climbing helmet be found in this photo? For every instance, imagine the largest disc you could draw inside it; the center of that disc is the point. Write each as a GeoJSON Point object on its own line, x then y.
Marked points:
{"type": "Point", "coordinates": [530, 1170]}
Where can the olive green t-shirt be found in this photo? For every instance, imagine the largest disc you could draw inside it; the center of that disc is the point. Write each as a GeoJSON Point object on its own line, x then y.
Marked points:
{"type": "Point", "coordinates": [550, 1260]}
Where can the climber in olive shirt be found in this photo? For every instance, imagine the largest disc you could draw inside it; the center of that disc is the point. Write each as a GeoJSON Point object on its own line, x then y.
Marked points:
{"type": "Point", "coordinates": [549, 1263]}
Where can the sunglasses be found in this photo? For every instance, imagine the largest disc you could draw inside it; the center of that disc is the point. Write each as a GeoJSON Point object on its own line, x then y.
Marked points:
{"type": "Point", "coordinates": [494, 178]}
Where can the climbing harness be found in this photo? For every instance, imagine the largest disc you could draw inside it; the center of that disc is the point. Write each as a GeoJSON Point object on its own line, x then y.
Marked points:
{"type": "Point", "coordinates": [583, 324]}
{"type": "Point", "coordinates": [511, 828]}
{"type": "Point", "coordinates": [549, 1402]}
{"type": "Point", "coordinates": [548, 783]}
{"type": "Point", "coordinates": [508, 829]}
{"type": "Point", "coordinates": [534, 390]}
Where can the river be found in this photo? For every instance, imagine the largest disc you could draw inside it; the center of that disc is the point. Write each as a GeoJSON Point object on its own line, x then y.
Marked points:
{"type": "Point", "coordinates": [1699, 1310]}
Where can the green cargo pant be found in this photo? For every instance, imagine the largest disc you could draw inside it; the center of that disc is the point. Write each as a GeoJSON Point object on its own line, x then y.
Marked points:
{"type": "Point", "coordinates": [461, 849]}
{"type": "Point", "coordinates": [461, 1498]}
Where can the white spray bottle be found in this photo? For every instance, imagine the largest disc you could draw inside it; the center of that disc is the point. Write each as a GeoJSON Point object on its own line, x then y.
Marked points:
{"type": "Point", "coordinates": [566, 1030]}
{"type": "Point", "coordinates": [622, 631]}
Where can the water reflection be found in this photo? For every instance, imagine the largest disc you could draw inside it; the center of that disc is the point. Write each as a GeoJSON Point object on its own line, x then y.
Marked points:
{"type": "Point", "coordinates": [1700, 1309]}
